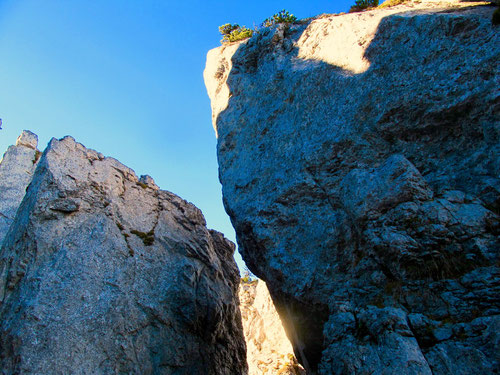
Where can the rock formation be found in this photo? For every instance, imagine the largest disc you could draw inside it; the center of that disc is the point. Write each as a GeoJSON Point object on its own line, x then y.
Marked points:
{"type": "Point", "coordinates": [104, 273]}
{"type": "Point", "coordinates": [269, 350]}
{"type": "Point", "coordinates": [359, 156]}
{"type": "Point", "coordinates": [16, 170]}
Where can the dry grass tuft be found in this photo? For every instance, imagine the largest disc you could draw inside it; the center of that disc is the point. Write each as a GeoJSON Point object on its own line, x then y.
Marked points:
{"type": "Point", "coordinates": [392, 3]}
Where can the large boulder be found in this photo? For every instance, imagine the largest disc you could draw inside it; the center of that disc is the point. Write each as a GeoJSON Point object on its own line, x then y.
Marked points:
{"type": "Point", "coordinates": [104, 273]}
{"type": "Point", "coordinates": [359, 156]}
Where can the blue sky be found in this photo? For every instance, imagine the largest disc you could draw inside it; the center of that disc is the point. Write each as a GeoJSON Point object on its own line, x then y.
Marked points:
{"type": "Point", "coordinates": [125, 78]}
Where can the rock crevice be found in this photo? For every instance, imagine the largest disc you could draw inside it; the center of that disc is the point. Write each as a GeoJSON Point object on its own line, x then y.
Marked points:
{"type": "Point", "coordinates": [269, 351]}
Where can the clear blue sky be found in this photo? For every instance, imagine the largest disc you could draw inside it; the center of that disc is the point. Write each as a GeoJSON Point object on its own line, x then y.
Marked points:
{"type": "Point", "coordinates": [124, 77]}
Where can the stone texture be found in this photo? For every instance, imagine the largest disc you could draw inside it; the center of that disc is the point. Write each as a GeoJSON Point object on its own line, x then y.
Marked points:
{"type": "Point", "coordinates": [360, 162]}
{"type": "Point", "coordinates": [103, 273]}
{"type": "Point", "coordinates": [269, 350]}
{"type": "Point", "coordinates": [16, 169]}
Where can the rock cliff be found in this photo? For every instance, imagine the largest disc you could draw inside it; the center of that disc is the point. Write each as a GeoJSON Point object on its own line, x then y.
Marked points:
{"type": "Point", "coordinates": [104, 273]}
{"type": "Point", "coordinates": [269, 350]}
{"type": "Point", "coordinates": [16, 170]}
{"type": "Point", "coordinates": [359, 156]}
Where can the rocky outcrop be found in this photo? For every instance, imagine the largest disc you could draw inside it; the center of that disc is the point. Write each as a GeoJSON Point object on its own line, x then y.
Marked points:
{"type": "Point", "coordinates": [104, 273]}
{"type": "Point", "coordinates": [360, 161]}
{"type": "Point", "coordinates": [16, 170]}
{"type": "Point", "coordinates": [269, 350]}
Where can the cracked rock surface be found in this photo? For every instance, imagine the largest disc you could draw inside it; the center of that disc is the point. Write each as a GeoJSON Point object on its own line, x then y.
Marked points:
{"type": "Point", "coordinates": [359, 156]}
{"type": "Point", "coordinates": [104, 273]}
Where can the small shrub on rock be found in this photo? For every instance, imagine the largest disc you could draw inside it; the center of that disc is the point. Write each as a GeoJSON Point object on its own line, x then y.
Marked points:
{"type": "Point", "coordinates": [234, 33]}
{"type": "Point", "coordinates": [147, 238]}
{"type": "Point", "coordinates": [248, 277]}
{"type": "Point", "coordinates": [361, 5]}
{"type": "Point", "coordinates": [392, 3]}
{"type": "Point", "coordinates": [283, 16]}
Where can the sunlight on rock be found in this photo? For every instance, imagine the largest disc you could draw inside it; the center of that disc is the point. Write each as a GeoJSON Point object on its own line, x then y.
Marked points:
{"type": "Point", "coordinates": [217, 70]}
{"type": "Point", "coordinates": [342, 40]}
{"type": "Point", "coordinates": [269, 350]}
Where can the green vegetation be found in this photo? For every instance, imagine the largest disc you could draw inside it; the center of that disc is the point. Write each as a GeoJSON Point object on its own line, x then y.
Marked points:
{"type": "Point", "coordinates": [147, 238]}
{"type": "Point", "coordinates": [283, 16]}
{"type": "Point", "coordinates": [234, 33]}
{"type": "Point", "coordinates": [361, 5]}
{"type": "Point", "coordinates": [248, 277]}
{"type": "Point", "coordinates": [142, 185]}
{"type": "Point", "coordinates": [291, 366]}
{"type": "Point", "coordinates": [37, 156]}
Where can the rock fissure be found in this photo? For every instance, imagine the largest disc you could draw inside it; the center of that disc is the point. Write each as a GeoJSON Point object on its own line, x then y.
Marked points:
{"type": "Point", "coordinates": [298, 344]}
{"type": "Point", "coordinates": [269, 350]}
{"type": "Point", "coordinates": [423, 348]}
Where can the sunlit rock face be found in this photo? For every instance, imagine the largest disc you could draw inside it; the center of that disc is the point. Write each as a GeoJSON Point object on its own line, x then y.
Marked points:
{"type": "Point", "coordinates": [16, 170]}
{"type": "Point", "coordinates": [104, 273]}
{"type": "Point", "coordinates": [269, 350]}
{"type": "Point", "coordinates": [362, 176]}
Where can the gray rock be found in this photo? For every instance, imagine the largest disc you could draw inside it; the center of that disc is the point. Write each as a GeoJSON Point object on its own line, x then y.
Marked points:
{"type": "Point", "coordinates": [474, 345]}
{"type": "Point", "coordinates": [103, 274]}
{"type": "Point", "coordinates": [16, 169]}
{"type": "Point", "coordinates": [360, 162]}
{"type": "Point", "coordinates": [148, 181]}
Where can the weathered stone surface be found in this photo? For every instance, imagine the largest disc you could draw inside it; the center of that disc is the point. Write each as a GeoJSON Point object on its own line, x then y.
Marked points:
{"type": "Point", "coordinates": [360, 162]}
{"type": "Point", "coordinates": [101, 273]}
{"type": "Point", "coordinates": [16, 169]}
{"type": "Point", "coordinates": [269, 350]}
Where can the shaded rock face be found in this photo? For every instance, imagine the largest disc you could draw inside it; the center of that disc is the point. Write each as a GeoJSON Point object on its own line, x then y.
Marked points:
{"type": "Point", "coordinates": [103, 273]}
{"type": "Point", "coordinates": [16, 170]}
{"type": "Point", "coordinates": [360, 162]}
{"type": "Point", "coordinates": [269, 350]}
